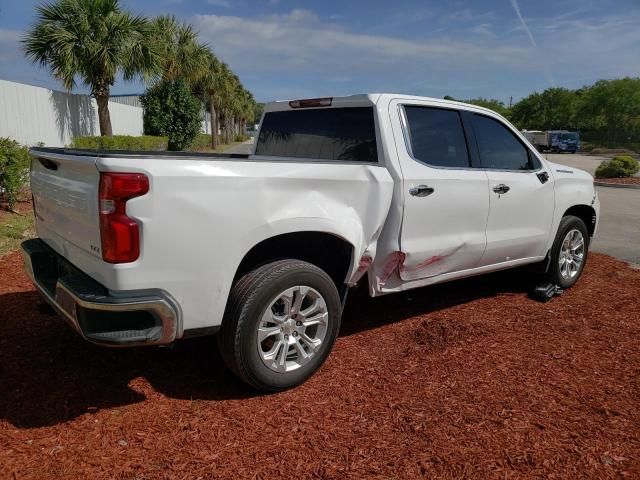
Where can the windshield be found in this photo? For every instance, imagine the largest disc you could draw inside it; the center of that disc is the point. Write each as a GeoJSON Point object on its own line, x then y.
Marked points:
{"type": "Point", "coordinates": [569, 136]}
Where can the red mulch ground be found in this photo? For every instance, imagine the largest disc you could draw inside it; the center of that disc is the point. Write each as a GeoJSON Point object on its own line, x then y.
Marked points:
{"type": "Point", "coordinates": [624, 181]}
{"type": "Point", "coordinates": [22, 206]}
{"type": "Point", "coordinates": [470, 379]}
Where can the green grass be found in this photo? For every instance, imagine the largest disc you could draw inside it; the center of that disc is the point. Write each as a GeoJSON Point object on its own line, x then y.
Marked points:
{"type": "Point", "coordinates": [14, 229]}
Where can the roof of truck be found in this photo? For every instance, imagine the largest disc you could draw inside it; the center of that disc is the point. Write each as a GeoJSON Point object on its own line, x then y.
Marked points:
{"type": "Point", "coordinates": [364, 99]}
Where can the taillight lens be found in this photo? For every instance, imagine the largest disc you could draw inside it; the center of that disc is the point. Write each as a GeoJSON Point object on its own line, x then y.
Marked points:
{"type": "Point", "coordinates": [120, 234]}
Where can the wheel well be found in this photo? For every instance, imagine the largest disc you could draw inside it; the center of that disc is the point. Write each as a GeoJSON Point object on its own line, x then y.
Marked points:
{"type": "Point", "coordinates": [586, 213]}
{"type": "Point", "coordinates": [330, 253]}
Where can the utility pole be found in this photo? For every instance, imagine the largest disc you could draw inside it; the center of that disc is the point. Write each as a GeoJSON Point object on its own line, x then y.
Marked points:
{"type": "Point", "coordinates": [510, 101]}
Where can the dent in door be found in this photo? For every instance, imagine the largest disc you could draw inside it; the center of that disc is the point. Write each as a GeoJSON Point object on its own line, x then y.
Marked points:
{"type": "Point", "coordinates": [396, 263]}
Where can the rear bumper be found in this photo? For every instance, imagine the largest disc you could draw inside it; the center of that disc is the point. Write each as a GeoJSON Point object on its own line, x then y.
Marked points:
{"type": "Point", "coordinates": [99, 315]}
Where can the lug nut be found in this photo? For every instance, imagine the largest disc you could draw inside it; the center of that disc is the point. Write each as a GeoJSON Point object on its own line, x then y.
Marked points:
{"type": "Point", "coordinates": [286, 337]}
{"type": "Point", "coordinates": [295, 334]}
{"type": "Point", "coordinates": [298, 324]}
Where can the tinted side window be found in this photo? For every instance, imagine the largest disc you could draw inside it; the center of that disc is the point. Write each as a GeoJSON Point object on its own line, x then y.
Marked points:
{"type": "Point", "coordinates": [498, 147]}
{"type": "Point", "coordinates": [340, 134]}
{"type": "Point", "coordinates": [437, 137]}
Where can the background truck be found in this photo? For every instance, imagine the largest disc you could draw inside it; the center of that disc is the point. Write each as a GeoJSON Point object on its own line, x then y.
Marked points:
{"type": "Point", "coordinates": [398, 192]}
{"type": "Point", "coordinates": [553, 140]}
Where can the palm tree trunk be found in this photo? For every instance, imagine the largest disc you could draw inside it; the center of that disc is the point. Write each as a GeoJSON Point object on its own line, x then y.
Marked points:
{"type": "Point", "coordinates": [103, 115]}
{"type": "Point", "coordinates": [214, 124]}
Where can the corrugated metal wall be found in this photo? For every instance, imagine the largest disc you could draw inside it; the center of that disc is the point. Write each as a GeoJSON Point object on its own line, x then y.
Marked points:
{"type": "Point", "coordinates": [32, 115]}
{"type": "Point", "coordinates": [131, 100]}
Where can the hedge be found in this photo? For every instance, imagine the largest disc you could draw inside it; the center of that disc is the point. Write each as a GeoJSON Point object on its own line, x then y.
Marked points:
{"type": "Point", "coordinates": [618, 167]}
{"type": "Point", "coordinates": [14, 169]}
{"type": "Point", "coordinates": [121, 142]}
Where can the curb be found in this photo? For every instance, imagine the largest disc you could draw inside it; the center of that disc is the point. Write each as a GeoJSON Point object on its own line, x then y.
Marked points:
{"type": "Point", "coordinates": [617, 185]}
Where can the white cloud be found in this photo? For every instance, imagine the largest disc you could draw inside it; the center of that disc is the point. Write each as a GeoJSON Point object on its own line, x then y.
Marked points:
{"type": "Point", "coordinates": [300, 40]}
{"type": "Point", "coordinates": [516, 8]}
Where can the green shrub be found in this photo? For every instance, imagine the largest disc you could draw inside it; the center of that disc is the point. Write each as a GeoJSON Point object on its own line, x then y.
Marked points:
{"type": "Point", "coordinates": [618, 167]}
{"type": "Point", "coordinates": [202, 142]}
{"type": "Point", "coordinates": [171, 110]}
{"type": "Point", "coordinates": [612, 151]}
{"type": "Point", "coordinates": [240, 137]}
{"type": "Point", "coordinates": [14, 169]}
{"type": "Point", "coordinates": [631, 165]}
{"type": "Point", "coordinates": [121, 142]}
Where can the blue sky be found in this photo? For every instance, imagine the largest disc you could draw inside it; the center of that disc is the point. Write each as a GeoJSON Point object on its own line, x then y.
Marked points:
{"type": "Point", "coordinates": [291, 49]}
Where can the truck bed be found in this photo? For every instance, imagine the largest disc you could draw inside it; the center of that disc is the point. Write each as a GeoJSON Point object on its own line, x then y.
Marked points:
{"type": "Point", "coordinates": [138, 153]}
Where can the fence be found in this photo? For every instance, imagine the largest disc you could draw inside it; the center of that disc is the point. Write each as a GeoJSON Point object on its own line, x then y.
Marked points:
{"type": "Point", "coordinates": [33, 115]}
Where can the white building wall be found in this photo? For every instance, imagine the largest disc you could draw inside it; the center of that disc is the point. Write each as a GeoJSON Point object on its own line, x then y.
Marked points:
{"type": "Point", "coordinates": [31, 115]}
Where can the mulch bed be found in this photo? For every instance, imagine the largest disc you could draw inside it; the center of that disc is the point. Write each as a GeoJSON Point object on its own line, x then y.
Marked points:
{"type": "Point", "coordinates": [468, 379]}
{"type": "Point", "coordinates": [622, 181]}
{"type": "Point", "coordinates": [22, 207]}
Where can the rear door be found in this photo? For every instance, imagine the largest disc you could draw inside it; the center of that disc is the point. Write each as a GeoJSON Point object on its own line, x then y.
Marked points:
{"type": "Point", "coordinates": [520, 191]}
{"type": "Point", "coordinates": [446, 202]}
{"type": "Point", "coordinates": [65, 194]}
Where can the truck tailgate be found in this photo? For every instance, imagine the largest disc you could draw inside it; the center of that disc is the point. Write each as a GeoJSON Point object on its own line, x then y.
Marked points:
{"type": "Point", "coordinates": [65, 194]}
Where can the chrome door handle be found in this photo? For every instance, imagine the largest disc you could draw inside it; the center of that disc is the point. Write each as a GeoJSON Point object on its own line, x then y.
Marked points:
{"type": "Point", "coordinates": [421, 191]}
{"type": "Point", "coordinates": [500, 189]}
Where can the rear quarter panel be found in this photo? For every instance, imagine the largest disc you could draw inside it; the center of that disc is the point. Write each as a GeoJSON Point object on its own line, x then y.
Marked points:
{"type": "Point", "coordinates": [201, 217]}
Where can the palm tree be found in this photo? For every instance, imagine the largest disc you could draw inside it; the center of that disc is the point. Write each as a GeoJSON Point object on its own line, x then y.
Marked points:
{"type": "Point", "coordinates": [208, 85]}
{"type": "Point", "coordinates": [182, 56]}
{"type": "Point", "coordinates": [94, 41]}
{"type": "Point", "coordinates": [224, 99]}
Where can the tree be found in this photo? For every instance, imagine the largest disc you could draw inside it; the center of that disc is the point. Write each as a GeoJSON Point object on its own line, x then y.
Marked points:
{"type": "Point", "coordinates": [171, 110]}
{"type": "Point", "coordinates": [490, 103]}
{"type": "Point", "coordinates": [182, 56]}
{"type": "Point", "coordinates": [209, 84]}
{"type": "Point", "coordinates": [612, 106]}
{"type": "Point", "coordinates": [93, 40]}
{"type": "Point", "coordinates": [258, 108]}
{"type": "Point", "coordinates": [553, 109]}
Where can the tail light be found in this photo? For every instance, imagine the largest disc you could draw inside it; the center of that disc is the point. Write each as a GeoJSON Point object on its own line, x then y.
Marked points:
{"type": "Point", "coordinates": [120, 234]}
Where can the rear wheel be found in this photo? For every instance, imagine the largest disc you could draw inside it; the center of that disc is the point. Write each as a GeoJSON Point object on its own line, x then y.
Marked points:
{"type": "Point", "coordinates": [281, 323]}
{"type": "Point", "coordinates": [569, 252]}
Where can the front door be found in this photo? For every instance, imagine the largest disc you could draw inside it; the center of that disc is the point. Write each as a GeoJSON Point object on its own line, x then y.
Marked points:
{"type": "Point", "coordinates": [446, 202]}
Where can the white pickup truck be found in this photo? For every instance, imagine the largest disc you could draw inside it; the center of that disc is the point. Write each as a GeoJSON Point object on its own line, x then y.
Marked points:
{"type": "Point", "coordinates": [142, 248]}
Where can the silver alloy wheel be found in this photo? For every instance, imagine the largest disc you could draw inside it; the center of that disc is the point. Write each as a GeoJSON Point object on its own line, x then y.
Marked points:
{"type": "Point", "coordinates": [571, 254]}
{"type": "Point", "coordinates": [292, 328]}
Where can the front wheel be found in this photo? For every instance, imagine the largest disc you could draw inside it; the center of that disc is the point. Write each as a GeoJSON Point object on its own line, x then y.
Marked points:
{"type": "Point", "coordinates": [280, 325]}
{"type": "Point", "coordinates": [569, 252]}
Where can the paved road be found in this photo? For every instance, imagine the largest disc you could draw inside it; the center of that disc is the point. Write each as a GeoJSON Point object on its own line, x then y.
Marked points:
{"type": "Point", "coordinates": [244, 148]}
{"type": "Point", "coordinates": [619, 228]}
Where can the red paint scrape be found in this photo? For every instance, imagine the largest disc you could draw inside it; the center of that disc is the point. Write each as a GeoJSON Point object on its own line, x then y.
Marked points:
{"type": "Point", "coordinates": [365, 263]}
{"type": "Point", "coordinates": [393, 262]}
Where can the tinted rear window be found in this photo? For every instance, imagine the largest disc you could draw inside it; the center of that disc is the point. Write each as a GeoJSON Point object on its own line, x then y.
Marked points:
{"type": "Point", "coordinates": [337, 134]}
{"type": "Point", "coordinates": [437, 137]}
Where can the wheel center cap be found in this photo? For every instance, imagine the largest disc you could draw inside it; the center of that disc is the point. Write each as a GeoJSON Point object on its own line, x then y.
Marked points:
{"type": "Point", "coordinates": [287, 327]}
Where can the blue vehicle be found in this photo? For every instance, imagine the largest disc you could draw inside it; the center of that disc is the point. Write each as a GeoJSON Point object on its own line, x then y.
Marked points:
{"type": "Point", "coordinates": [553, 140]}
{"type": "Point", "coordinates": [563, 141]}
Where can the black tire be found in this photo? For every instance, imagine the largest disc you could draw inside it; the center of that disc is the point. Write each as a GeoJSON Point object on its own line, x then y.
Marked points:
{"type": "Point", "coordinates": [553, 274]}
{"type": "Point", "coordinates": [249, 298]}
